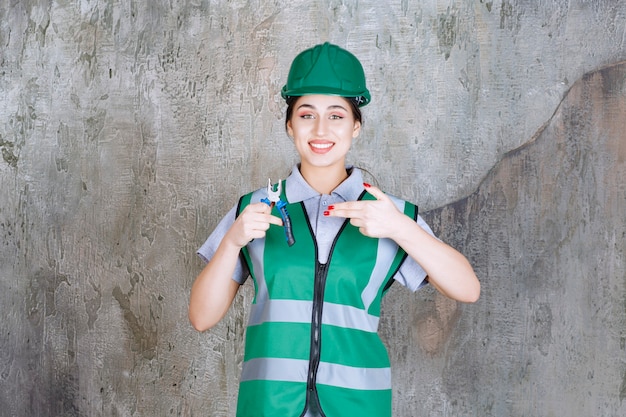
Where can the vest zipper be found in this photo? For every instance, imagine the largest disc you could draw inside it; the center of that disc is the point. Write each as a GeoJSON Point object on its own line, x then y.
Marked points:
{"type": "Point", "coordinates": [321, 272]}
{"type": "Point", "coordinates": [312, 403]}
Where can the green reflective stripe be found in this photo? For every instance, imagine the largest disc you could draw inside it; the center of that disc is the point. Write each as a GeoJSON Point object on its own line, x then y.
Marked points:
{"type": "Point", "coordinates": [278, 340]}
{"type": "Point", "coordinates": [293, 370]}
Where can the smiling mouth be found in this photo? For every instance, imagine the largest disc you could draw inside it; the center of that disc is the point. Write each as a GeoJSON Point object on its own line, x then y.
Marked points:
{"type": "Point", "coordinates": [321, 146]}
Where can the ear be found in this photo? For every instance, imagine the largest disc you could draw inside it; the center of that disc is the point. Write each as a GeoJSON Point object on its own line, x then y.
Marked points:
{"type": "Point", "coordinates": [357, 129]}
{"type": "Point", "coordinates": [289, 129]}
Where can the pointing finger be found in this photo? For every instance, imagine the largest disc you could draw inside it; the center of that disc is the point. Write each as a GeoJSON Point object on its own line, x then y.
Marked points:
{"type": "Point", "coordinates": [339, 211]}
{"type": "Point", "coordinates": [375, 191]}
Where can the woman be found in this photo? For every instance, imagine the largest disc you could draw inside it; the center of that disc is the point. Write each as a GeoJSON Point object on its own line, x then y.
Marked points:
{"type": "Point", "coordinates": [312, 347]}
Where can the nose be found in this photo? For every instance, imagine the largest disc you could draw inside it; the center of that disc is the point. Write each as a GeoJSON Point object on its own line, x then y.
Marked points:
{"type": "Point", "coordinates": [321, 126]}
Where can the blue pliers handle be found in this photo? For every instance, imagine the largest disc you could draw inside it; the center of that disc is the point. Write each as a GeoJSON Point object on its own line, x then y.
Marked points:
{"type": "Point", "coordinates": [273, 199]}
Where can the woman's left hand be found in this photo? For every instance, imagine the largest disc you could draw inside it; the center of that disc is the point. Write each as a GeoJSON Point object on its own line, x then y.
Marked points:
{"type": "Point", "coordinates": [378, 218]}
{"type": "Point", "coordinates": [447, 269]}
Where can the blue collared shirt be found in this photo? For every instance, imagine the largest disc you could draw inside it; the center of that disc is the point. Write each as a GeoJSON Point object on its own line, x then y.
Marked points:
{"type": "Point", "coordinates": [325, 228]}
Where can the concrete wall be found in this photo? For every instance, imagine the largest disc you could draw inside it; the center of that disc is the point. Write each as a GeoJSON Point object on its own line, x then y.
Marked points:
{"type": "Point", "coordinates": [128, 128]}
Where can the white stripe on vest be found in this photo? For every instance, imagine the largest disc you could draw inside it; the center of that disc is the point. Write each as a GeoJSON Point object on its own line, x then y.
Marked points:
{"type": "Point", "coordinates": [295, 370]}
{"type": "Point", "coordinates": [298, 311]}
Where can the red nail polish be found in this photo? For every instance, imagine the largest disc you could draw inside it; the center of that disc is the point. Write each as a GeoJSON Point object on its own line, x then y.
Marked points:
{"type": "Point", "coordinates": [366, 185]}
{"type": "Point", "coordinates": [331, 207]}
{"type": "Point", "coordinates": [327, 213]}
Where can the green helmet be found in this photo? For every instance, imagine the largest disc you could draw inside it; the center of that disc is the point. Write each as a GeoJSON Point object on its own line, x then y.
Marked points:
{"type": "Point", "coordinates": [327, 69]}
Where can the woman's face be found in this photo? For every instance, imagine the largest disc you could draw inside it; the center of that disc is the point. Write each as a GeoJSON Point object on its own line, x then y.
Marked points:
{"type": "Point", "coordinates": [322, 128]}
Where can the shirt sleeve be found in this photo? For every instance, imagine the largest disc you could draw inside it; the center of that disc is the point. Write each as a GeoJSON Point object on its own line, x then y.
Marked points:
{"type": "Point", "coordinates": [411, 274]}
{"type": "Point", "coordinates": [209, 247]}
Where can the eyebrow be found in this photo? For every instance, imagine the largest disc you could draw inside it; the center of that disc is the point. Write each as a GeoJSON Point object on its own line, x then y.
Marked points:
{"type": "Point", "coordinates": [333, 107]}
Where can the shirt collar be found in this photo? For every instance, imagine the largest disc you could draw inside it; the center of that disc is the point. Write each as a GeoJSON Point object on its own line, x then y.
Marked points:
{"type": "Point", "coordinates": [297, 189]}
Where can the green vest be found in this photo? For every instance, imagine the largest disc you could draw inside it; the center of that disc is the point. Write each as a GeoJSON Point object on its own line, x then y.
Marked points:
{"type": "Point", "coordinates": [312, 341]}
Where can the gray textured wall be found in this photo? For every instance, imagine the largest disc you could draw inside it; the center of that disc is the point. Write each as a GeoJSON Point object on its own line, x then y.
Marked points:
{"type": "Point", "coordinates": [128, 128]}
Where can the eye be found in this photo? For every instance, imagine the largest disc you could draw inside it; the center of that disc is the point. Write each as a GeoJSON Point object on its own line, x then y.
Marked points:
{"type": "Point", "coordinates": [306, 116]}
{"type": "Point", "coordinates": [336, 117]}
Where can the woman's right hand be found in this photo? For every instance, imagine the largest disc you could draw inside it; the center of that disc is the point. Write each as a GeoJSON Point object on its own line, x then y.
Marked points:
{"type": "Point", "coordinates": [252, 223]}
{"type": "Point", "coordinates": [214, 289]}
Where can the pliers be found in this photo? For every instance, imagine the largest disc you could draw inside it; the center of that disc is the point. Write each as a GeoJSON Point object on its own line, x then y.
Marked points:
{"type": "Point", "coordinates": [273, 199]}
